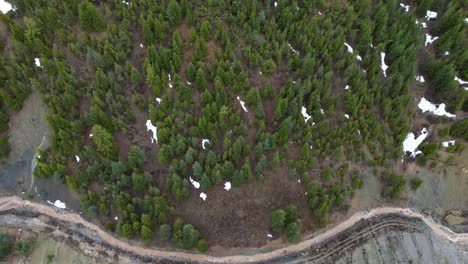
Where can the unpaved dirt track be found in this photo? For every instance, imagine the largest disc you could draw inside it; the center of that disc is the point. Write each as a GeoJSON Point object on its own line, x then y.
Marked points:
{"type": "Point", "coordinates": [16, 204]}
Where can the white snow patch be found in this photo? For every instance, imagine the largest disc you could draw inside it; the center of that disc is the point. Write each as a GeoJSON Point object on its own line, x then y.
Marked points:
{"type": "Point", "coordinates": [438, 110]}
{"type": "Point", "coordinates": [346, 115]}
{"type": "Point", "coordinates": [411, 142]}
{"type": "Point", "coordinates": [6, 7]}
{"type": "Point", "coordinates": [460, 81]}
{"type": "Point", "coordinates": [424, 25]}
{"type": "Point", "coordinates": [227, 186]}
{"type": "Point", "coordinates": [116, 218]}
{"type": "Point", "coordinates": [242, 103]}
{"type": "Point", "coordinates": [321, 111]}
{"type": "Point", "coordinates": [203, 196]}
{"type": "Point", "coordinates": [299, 181]}
{"type": "Point", "coordinates": [260, 72]}
{"type": "Point", "coordinates": [406, 7]}
{"type": "Point", "coordinates": [420, 78]}
{"type": "Point", "coordinates": [125, 2]}
{"type": "Point", "coordinates": [429, 39]}
{"type": "Point", "coordinates": [448, 143]}
{"type": "Point", "coordinates": [91, 135]}
{"type": "Point", "coordinates": [37, 61]}
{"type": "Point", "coordinates": [141, 45]}
{"type": "Point", "coordinates": [170, 80]}
{"type": "Point", "coordinates": [384, 66]}
{"type": "Point", "coordinates": [350, 49]}
{"type": "Point", "coordinates": [204, 141]}
{"type": "Point", "coordinates": [77, 158]}
{"type": "Point", "coordinates": [466, 20]}
{"type": "Point", "coordinates": [195, 184]}
{"type": "Point", "coordinates": [431, 14]}
{"type": "Point", "coordinates": [58, 204]}
{"type": "Point", "coordinates": [346, 87]}
{"type": "Point", "coordinates": [189, 83]}
{"type": "Point", "coordinates": [359, 58]}
{"type": "Point", "coordinates": [372, 45]}
{"type": "Point", "coordinates": [150, 126]}
{"type": "Point", "coordinates": [446, 53]}
{"type": "Point", "coordinates": [304, 113]}
{"type": "Point", "coordinates": [276, 4]}
{"type": "Point", "coordinates": [269, 235]}
{"type": "Point", "coordinates": [293, 50]}
{"type": "Point", "coordinates": [158, 100]}
{"type": "Point", "coordinates": [320, 13]}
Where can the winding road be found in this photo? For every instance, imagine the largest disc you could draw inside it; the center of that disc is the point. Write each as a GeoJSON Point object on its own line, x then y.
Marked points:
{"type": "Point", "coordinates": [378, 218]}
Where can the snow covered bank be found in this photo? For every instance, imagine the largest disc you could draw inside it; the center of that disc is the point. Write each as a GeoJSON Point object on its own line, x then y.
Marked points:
{"type": "Point", "coordinates": [448, 143]}
{"type": "Point", "coordinates": [6, 7]}
{"type": "Point", "coordinates": [195, 184]}
{"type": "Point", "coordinates": [242, 103]}
{"type": "Point", "coordinates": [154, 130]}
{"type": "Point", "coordinates": [383, 66]}
{"type": "Point", "coordinates": [57, 204]}
{"type": "Point", "coordinates": [204, 141]}
{"type": "Point", "coordinates": [411, 142]}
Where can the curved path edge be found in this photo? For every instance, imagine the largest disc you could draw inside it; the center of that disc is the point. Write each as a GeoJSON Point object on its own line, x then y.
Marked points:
{"type": "Point", "coordinates": [14, 203]}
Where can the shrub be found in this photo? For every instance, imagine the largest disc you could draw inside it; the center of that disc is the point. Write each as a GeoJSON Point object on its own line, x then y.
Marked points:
{"type": "Point", "coordinates": [6, 245]}
{"type": "Point", "coordinates": [278, 219]}
{"type": "Point", "coordinates": [24, 247]}
{"type": "Point", "coordinates": [202, 245]}
{"type": "Point", "coordinates": [90, 20]}
{"type": "Point", "coordinates": [415, 183]}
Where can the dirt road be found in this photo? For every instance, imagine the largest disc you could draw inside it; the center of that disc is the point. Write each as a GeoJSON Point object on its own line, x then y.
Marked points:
{"type": "Point", "coordinates": [16, 203]}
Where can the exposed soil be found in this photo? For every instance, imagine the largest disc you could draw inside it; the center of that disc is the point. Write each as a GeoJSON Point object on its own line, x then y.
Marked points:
{"type": "Point", "coordinates": [240, 217]}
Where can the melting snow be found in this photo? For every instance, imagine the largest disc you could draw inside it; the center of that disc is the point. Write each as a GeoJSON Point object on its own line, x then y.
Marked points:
{"type": "Point", "coordinates": [431, 14]}
{"type": "Point", "coordinates": [189, 83]}
{"type": "Point", "coordinates": [466, 20]}
{"type": "Point", "coordinates": [38, 62]}
{"type": "Point", "coordinates": [429, 39]}
{"type": "Point", "coordinates": [293, 50]}
{"type": "Point", "coordinates": [276, 4]}
{"type": "Point", "coordinates": [150, 126]}
{"type": "Point", "coordinates": [242, 103]}
{"type": "Point", "coordinates": [304, 113]}
{"type": "Point", "coordinates": [269, 235]}
{"type": "Point", "coordinates": [384, 66]}
{"type": "Point", "coordinates": [195, 184]}
{"type": "Point", "coordinates": [358, 58]}
{"type": "Point", "coordinates": [460, 81]}
{"type": "Point", "coordinates": [448, 143]}
{"type": "Point", "coordinates": [350, 49]}
{"type": "Point", "coordinates": [438, 110]}
{"type": "Point", "coordinates": [170, 80]}
{"type": "Point", "coordinates": [158, 100]}
{"type": "Point", "coordinates": [91, 135]}
{"type": "Point", "coordinates": [320, 13]}
{"type": "Point", "coordinates": [5, 7]}
{"type": "Point", "coordinates": [204, 141]}
{"type": "Point", "coordinates": [346, 87]}
{"type": "Point", "coordinates": [424, 25]}
{"type": "Point", "coordinates": [411, 143]}
{"type": "Point", "coordinates": [227, 186]}
{"type": "Point", "coordinates": [77, 158]}
{"type": "Point", "coordinates": [125, 2]}
{"type": "Point", "coordinates": [321, 111]}
{"type": "Point", "coordinates": [141, 45]}
{"type": "Point", "coordinates": [116, 218]}
{"type": "Point", "coordinates": [446, 53]}
{"type": "Point", "coordinates": [58, 204]}
{"type": "Point", "coordinates": [406, 7]}
{"type": "Point", "coordinates": [346, 115]}
{"type": "Point", "coordinates": [203, 196]}
{"type": "Point", "coordinates": [420, 78]}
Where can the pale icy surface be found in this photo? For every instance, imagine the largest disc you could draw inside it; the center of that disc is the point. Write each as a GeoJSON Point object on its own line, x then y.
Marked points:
{"type": "Point", "coordinates": [204, 141]}
{"type": "Point", "coordinates": [153, 129]}
{"type": "Point", "coordinates": [411, 142]}
{"type": "Point", "coordinates": [438, 110]}
{"type": "Point", "coordinates": [242, 103]}
{"type": "Point", "coordinates": [448, 143]}
{"type": "Point", "coordinates": [227, 186]}
{"type": "Point", "coordinates": [195, 184]}
{"type": "Point", "coordinates": [384, 66]}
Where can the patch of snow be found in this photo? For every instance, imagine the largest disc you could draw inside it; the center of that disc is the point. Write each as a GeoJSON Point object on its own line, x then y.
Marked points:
{"type": "Point", "coordinates": [242, 103]}
{"type": "Point", "coordinates": [203, 196]}
{"type": "Point", "coordinates": [420, 78]}
{"type": "Point", "coordinates": [320, 13]}
{"type": "Point", "coordinates": [466, 20]}
{"type": "Point", "coordinates": [423, 25]}
{"type": "Point", "coordinates": [460, 81]}
{"type": "Point", "coordinates": [158, 100]}
{"type": "Point", "coordinates": [91, 135]}
{"type": "Point", "coordinates": [6, 7]}
{"type": "Point", "coordinates": [204, 141]}
{"type": "Point", "coordinates": [359, 132]}
{"type": "Point", "coordinates": [170, 80]}
{"type": "Point", "coordinates": [227, 186]}
{"type": "Point", "coordinates": [269, 235]}
{"type": "Point", "coordinates": [141, 45]}
{"type": "Point", "coordinates": [293, 50]}
{"type": "Point", "coordinates": [154, 130]}
{"type": "Point", "coordinates": [446, 53]}
{"type": "Point", "coordinates": [346, 115]}
{"type": "Point", "coordinates": [260, 72]}
{"type": "Point", "coordinates": [411, 142]}
{"type": "Point", "coordinates": [384, 66]}
{"type": "Point", "coordinates": [429, 39]}
{"type": "Point", "coordinates": [438, 110]}
{"type": "Point", "coordinates": [57, 204]}
{"type": "Point", "coordinates": [116, 218]}
{"type": "Point", "coordinates": [189, 83]}
{"type": "Point", "coordinates": [372, 45]}
{"type": "Point", "coordinates": [304, 113]}
{"type": "Point", "coordinates": [321, 111]}
{"type": "Point", "coordinates": [346, 87]}
{"type": "Point", "coordinates": [448, 143]}
{"type": "Point", "coordinates": [125, 2]}
{"type": "Point", "coordinates": [77, 158]}
{"type": "Point", "coordinates": [406, 7]}
{"type": "Point", "coordinates": [276, 4]}
{"type": "Point", "coordinates": [195, 184]}
{"type": "Point", "coordinates": [430, 14]}
{"type": "Point", "coordinates": [299, 181]}
{"type": "Point", "coordinates": [37, 61]}
{"type": "Point", "coordinates": [350, 49]}
{"type": "Point", "coordinates": [310, 147]}
{"type": "Point", "coordinates": [359, 58]}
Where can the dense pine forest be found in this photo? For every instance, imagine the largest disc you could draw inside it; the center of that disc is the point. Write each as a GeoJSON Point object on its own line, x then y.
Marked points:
{"type": "Point", "coordinates": [156, 103]}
